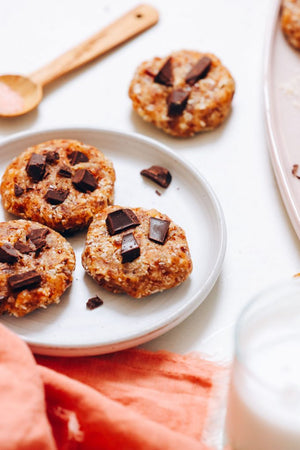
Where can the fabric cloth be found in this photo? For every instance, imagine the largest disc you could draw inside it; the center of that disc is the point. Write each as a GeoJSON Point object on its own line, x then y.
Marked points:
{"type": "Point", "coordinates": [133, 399]}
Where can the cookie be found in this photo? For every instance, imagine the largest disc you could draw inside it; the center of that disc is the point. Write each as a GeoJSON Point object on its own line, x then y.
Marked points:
{"type": "Point", "coordinates": [36, 265]}
{"type": "Point", "coordinates": [184, 93]}
{"type": "Point", "coordinates": [136, 251]}
{"type": "Point", "coordinates": [290, 21]}
{"type": "Point", "coordinates": [60, 183]}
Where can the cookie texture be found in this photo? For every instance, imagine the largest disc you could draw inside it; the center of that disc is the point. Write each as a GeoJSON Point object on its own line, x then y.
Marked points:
{"type": "Point", "coordinates": [290, 21]}
{"type": "Point", "coordinates": [154, 268]}
{"type": "Point", "coordinates": [60, 183]}
{"type": "Point", "coordinates": [184, 93]}
{"type": "Point", "coordinates": [36, 265]}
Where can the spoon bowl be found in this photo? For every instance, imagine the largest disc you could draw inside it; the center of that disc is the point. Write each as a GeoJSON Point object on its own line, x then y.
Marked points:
{"type": "Point", "coordinates": [20, 94]}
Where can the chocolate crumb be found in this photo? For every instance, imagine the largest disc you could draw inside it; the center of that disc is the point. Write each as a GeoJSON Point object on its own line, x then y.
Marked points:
{"type": "Point", "coordinates": [295, 170]}
{"type": "Point", "coordinates": [130, 248]}
{"type": "Point", "coordinates": [36, 167]}
{"type": "Point", "coordinates": [157, 192]}
{"type": "Point", "coordinates": [65, 171]}
{"type": "Point", "coordinates": [56, 196]}
{"type": "Point", "coordinates": [158, 174]}
{"type": "Point", "coordinates": [165, 75]}
{"type": "Point", "coordinates": [94, 302]}
{"type": "Point", "coordinates": [199, 70]}
{"type": "Point", "coordinates": [8, 254]}
{"type": "Point", "coordinates": [158, 230]}
{"type": "Point", "coordinates": [18, 190]}
{"type": "Point", "coordinates": [52, 157]}
{"type": "Point", "coordinates": [121, 220]}
{"type": "Point", "coordinates": [84, 181]}
{"type": "Point", "coordinates": [77, 157]}
{"type": "Point", "coordinates": [25, 280]}
{"type": "Point", "coordinates": [177, 101]}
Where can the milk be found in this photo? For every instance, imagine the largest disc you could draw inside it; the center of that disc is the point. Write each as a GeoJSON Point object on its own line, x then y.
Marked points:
{"type": "Point", "coordinates": [264, 397]}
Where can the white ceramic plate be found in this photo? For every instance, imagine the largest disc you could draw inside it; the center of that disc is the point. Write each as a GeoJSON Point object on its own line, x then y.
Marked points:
{"type": "Point", "coordinates": [68, 328]}
{"type": "Point", "coordinates": [282, 107]}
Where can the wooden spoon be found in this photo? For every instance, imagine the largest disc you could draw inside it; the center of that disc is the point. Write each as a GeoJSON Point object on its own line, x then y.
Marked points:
{"type": "Point", "coordinates": [20, 94]}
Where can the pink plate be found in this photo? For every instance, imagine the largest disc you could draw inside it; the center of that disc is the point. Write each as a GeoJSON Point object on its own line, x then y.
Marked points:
{"type": "Point", "coordinates": [282, 107]}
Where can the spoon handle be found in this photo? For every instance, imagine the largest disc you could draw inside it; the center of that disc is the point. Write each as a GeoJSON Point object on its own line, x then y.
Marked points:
{"type": "Point", "coordinates": [134, 22]}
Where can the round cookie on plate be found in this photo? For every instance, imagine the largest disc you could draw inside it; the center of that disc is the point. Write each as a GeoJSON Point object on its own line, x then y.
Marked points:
{"type": "Point", "coordinates": [36, 266]}
{"type": "Point", "coordinates": [136, 251]}
{"type": "Point", "coordinates": [184, 93]}
{"type": "Point", "coordinates": [290, 21]}
{"type": "Point", "coordinates": [60, 183]}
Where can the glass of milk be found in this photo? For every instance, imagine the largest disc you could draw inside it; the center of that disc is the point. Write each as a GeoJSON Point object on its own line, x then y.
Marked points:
{"type": "Point", "coordinates": [264, 396]}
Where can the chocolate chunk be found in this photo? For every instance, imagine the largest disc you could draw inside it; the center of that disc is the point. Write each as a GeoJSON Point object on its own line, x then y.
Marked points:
{"type": "Point", "coordinates": [3, 298]}
{"type": "Point", "coordinates": [158, 230]}
{"type": "Point", "coordinates": [8, 254]}
{"type": "Point", "coordinates": [77, 157]}
{"type": "Point", "coordinates": [158, 174]}
{"type": "Point", "coordinates": [121, 220]}
{"type": "Point", "coordinates": [56, 196]}
{"type": "Point", "coordinates": [165, 75]}
{"type": "Point", "coordinates": [84, 181]}
{"type": "Point", "coordinates": [177, 101]}
{"type": "Point", "coordinates": [130, 248]}
{"type": "Point", "coordinates": [18, 190]}
{"type": "Point", "coordinates": [52, 157]}
{"type": "Point", "coordinates": [25, 280]}
{"type": "Point", "coordinates": [65, 171]}
{"type": "Point", "coordinates": [94, 302]}
{"type": "Point", "coordinates": [22, 247]}
{"type": "Point", "coordinates": [199, 70]}
{"type": "Point", "coordinates": [36, 167]}
{"type": "Point", "coordinates": [38, 238]}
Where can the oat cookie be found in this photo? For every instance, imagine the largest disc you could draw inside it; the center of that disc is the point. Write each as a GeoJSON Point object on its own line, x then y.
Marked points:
{"type": "Point", "coordinates": [36, 265]}
{"type": "Point", "coordinates": [184, 93]}
{"type": "Point", "coordinates": [136, 251]}
{"type": "Point", "coordinates": [290, 21]}
{"type": "Point", "coordinates": [60, 183]}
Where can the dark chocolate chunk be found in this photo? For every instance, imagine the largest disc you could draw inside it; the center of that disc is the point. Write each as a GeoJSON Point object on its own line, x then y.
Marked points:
{"type": "Point", "coordinates": [130, 248]}
{"type": "Point", "coordinates": [36, 167]}
{"type": "Point", "coordinates": [165, 75]}
{"type": "Point", "coordinates": [198, 71]}
{"type": "Point", "coordinates": [159, 175]}
{"type": "Point", "coordinates": [56, 196]}
{"type": "Point", "coordinates": [158, 230]}
{"type": "Point", "coordinates": [25, 280]}
{"type": "Point", "coordinates": [38, 238]}
{"type": "Point", "coordinates": [121, 220]}
{"type": "Point", "coordinates": [94, 302]}
{"type": "Point", "coordinates": [22, 247]}
{"type": "Point", "coordinates": [52, 157]}
{"type": "Point", "coordinates": [77, 157]}
{"type": "Point", "coordinates": [18, 190]}
{"type": "Point", "coordinates": [8, 254]}
{"type": "Point", "coordinates": [84, 181]}
{"type": "Point", "coordinates": [3, 298]}
{"type": "Point", "coordinates": [65, 171]}
{"type": "Point", "coordinates": [177, 101]}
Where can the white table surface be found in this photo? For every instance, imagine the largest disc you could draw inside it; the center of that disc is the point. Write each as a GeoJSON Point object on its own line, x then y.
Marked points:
{"type": "Point", "coordinates": [262, 246]}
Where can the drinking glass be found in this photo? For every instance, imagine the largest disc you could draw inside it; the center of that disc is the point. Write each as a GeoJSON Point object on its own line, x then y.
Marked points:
{"type": "Point", "coordinates": [263, 410]}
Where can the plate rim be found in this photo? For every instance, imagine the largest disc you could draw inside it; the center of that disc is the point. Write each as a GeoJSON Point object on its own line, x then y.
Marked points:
{"type": "Point", "coordinates": [274, 152]}
{"type": "Point", "coordinates": [153, 332]}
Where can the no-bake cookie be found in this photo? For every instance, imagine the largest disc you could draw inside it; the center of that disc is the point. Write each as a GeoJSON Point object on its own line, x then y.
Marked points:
{"type": "Point", "coordinates": [60, 183]}
{"type": "Point", "coordinates": [290, 21]}
{"type": "Point", "coordinates": [184, 93]}
{"type": "Point", "coordinates": [36, 265]}
{"type": "Point", "coordinates": [136, 251]}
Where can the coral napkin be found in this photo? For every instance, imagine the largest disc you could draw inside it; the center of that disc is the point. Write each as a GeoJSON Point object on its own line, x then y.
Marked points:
{"type": "Point", "coordinates": [133, 399]}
